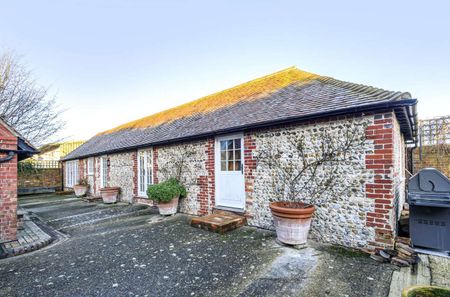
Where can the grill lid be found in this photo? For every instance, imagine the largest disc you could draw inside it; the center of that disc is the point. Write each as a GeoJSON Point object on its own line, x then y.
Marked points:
{"type": "Point", "coordinates": [429, 187]}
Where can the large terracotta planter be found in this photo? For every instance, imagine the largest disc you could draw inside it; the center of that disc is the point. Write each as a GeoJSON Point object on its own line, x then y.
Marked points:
{"type": "Point", "coordinates": [292, 221]}
{"type": "Point", "coordinates": [168, 208]}
{"type": "Point", "coordinates": [425, 291]}
{"type": "Point", "coordinates": [80, 190]}
{"type": "Point", "coordinates": [110, 194]}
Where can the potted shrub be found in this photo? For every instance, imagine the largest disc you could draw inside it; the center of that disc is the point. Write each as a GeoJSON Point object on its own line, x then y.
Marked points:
{"type": "Point", "coordinates": [166, 195]}
{"type": "Point", "coordinates": [81, 187]}
{"type": "Point", "coordinates": [110, 194]}
{"type": "Point", "coordinates": [306, 171]}
{"type": "Point", "coordinates": [426, 291]}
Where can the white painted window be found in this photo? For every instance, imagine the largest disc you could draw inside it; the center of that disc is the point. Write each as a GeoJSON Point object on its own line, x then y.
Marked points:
{"type": "Point", "coordinates": [145, 171]}
{"type": "Point", "coordinates": [90, 166]}
{"type": "Point", "coordinates": [230, 155]}
{"type": "Point", "coordinates": [71, 173]}
{"type": "Point", "coordinates": [103, 172]}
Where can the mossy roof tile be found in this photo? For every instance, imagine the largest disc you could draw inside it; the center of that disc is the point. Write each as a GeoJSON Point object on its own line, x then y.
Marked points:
{"type": "Point", "coordinates": [285, 94]}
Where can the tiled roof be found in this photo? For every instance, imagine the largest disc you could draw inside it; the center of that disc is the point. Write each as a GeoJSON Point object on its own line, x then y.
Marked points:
{"type": "Point", "coordinates": [25, 148]}
{"type": "Point", "coordinates": [286, 94]}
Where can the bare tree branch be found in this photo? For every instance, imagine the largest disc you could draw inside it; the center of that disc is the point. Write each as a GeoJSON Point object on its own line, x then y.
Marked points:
{"type": "Point", "coordinates": [311, 167]}
{"type": "Point", "coordinates": [25, 105]}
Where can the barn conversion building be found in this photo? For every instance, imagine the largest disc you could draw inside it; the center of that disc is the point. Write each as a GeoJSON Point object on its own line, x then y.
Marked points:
{"type": "Point", "coordinates": [218, 137]}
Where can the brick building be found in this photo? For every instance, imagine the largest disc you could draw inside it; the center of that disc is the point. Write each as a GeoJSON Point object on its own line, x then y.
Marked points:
{"type": "Point", "coordinates": [13, 148]}
{"type": "Point", "coordinates": [219, 136]}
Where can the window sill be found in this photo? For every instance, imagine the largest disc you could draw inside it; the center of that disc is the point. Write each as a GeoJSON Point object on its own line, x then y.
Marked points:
{"type": "Point", "coordinates": [141, 197]}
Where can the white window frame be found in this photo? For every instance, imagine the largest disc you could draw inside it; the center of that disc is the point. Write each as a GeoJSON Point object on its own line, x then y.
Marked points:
{"type": "Point", "coordinates": [71, 173]}
{"type": "Point", "coordinates": [145, 171]}
{"type": "Point", "coordinates": [103, 171]}
{"type": "Point", "coordinates": [90, 166]}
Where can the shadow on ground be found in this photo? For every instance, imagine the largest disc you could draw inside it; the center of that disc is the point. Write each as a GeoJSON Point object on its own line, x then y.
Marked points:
{"type": "Point", "coordinates": [128, 250]}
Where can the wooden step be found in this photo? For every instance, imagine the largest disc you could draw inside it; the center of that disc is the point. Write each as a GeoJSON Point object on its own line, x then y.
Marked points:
{"type": "Point", "coordinates": [219, 221]}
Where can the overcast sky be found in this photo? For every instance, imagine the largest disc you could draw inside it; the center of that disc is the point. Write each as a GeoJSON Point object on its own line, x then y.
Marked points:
{"type": "Point", "coordinates": [111, 61]}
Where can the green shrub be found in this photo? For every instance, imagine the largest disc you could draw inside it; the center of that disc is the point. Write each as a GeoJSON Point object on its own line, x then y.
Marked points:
{"type": "Point", "coordinates": [166, 191]}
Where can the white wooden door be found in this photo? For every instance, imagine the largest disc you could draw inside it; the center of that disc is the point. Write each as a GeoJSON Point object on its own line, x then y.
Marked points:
{"type": "Point", "coordinates": [103, 172]}
{"type": "Point", "coordinates": [229, 171]}
{"type": "Point", "coordinates": [144, 171]}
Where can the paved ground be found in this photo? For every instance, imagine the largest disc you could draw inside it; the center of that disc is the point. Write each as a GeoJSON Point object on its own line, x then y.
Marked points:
{"type": "Point", "coordinates": [440, 271]}
{"type": "Point", "coordinates": [29, 238]}
{"type": "Point", "coordinates": [124, 250]}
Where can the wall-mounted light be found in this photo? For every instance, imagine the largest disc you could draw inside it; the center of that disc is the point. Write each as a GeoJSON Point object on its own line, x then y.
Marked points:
{"type": "Point", "coordinates": [107, 162]}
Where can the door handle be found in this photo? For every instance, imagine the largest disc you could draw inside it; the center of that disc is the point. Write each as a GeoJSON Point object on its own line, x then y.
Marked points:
{"type": "Point", "coordinates": [242, 168]}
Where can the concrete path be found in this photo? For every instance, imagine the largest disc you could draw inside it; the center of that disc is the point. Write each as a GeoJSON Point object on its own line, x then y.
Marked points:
{"type": "Point", "coordinates": [129, 250]}
{"type": "Point", "coordinates": [430, 271]}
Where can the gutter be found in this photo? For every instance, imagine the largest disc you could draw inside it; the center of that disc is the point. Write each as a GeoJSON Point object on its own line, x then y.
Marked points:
{"type": "Point", "coordinates": [8, 157]}
{"type": "Point", "coordinates": [408, 106]}
{"type": "Point", "coordinates": [11, 154]}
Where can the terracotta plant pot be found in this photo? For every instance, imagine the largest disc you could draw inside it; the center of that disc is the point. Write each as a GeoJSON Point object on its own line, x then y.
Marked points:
{"type": "Point", "coordinates": [425, 291]}
{"type": "Point", "coordinates": [168, 208]}
{"type": "Point", "coordinates": [110, 194]}
{"type": "Point", "coordinates": [292, 221]}
{"type": "Point", "coordinates": [80, 190]}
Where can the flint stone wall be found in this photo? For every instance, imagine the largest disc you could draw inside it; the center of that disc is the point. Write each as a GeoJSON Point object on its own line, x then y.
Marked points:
{"type": "Point", "coordinates": [338, 219]}
{"type": "Point", "coordinates": [121, 174]}
{"type": "Point", "coordinates": [194, 158]}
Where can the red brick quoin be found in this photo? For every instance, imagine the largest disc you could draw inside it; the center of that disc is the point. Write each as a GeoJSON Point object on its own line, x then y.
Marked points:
{"type": "Point", "coordinates": [249, 169]}
{"type": "Point", "coordinates": [206, 196]}
{"type": "Point", "coordinates": [381, 189]}
{"type": "Point", "coordinates": [8, 187]}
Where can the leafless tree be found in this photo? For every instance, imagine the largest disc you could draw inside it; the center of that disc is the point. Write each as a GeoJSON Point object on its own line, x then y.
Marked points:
{"type": "Point", "coordinates": [310, 167]}
{"type": "Point", "coordinates": [24, 104]}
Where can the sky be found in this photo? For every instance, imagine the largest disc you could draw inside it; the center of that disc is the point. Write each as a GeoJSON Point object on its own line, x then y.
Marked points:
{"type": "Point", "coordinates": [109, 62]}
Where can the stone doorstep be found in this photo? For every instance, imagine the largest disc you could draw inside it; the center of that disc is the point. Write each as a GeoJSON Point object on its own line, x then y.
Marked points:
{"type": "Point", "coordinates": [219, 222]}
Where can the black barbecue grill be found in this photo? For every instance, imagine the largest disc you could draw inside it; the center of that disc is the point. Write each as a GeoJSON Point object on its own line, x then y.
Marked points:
{"type": "Point", "coordinates": [429, 216]}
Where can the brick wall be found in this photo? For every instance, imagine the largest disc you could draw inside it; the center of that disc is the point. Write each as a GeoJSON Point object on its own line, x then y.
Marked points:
{"type": "Point", "coordinates": [45, 177]}
{"type": "Point", "coordinates": [207, 182]}
{"type": "Point", "coordinates": [82, 166]}
{"type": "Point", "coordinates": [379, 164]}
{"type": "Point", "coordinates": [155, 166]}
{"type": "Point", "coordinates": [135, 174]}
{"type": "Point", "coordinates": [432, 156]}
{"type": "Point", "coordinates": [97, 183]}
{"type": "Point", "coordinates": [249, 172]}
{"type": "Point", "coordinates": [8, 187]}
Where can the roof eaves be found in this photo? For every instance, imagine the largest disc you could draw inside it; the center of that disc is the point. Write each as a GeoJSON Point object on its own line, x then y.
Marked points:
{"type": "Point", "coordinates": [373, 107]}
